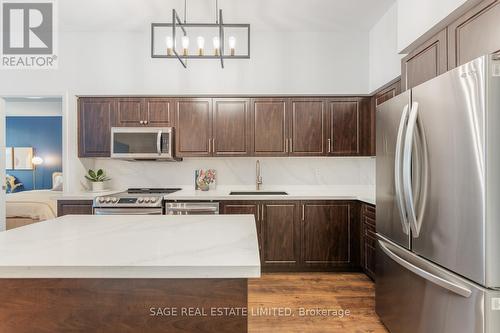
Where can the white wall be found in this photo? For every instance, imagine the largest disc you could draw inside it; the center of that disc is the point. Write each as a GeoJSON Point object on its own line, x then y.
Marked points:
{"type": "Point", "coordinates": [415, 18]}
{"type": "Point", "coordinates": [33, 108]}
{"type": "Point", "coordinates": [241, 171]}
{"type": "Point", "coordinates": [385, 62]}
{"type": "Point", "coordinates": [120, 63]}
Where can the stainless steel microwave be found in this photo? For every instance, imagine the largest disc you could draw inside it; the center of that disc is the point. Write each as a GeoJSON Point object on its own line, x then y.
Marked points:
{"type": "Point", "coordinates": [143, 143]}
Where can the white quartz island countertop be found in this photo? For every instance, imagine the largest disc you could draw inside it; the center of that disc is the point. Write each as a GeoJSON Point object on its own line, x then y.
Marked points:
{"type": "Point", "coordinates": [219, 246]}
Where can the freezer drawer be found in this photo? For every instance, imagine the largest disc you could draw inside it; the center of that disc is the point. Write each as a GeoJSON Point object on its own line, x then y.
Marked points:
{"type": "Point", "coordinates": [416, 296]}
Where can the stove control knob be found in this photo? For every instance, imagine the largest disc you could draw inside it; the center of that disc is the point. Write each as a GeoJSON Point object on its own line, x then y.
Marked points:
{"type": "Point", "coordinates": [100, 200]}
{"type": "Point", "coordinates": [108, 200]}
{"type": "Point", "coordinates": [146, 200]}
{"type": "Point", "coordinates": [140, 200]}
{"type": "Point", "coordinates": [153, 200]}
{"type": "Point", "coordinates": [114, 200]}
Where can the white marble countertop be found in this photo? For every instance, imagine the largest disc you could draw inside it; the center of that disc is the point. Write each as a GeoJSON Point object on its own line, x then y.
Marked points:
{"type": "Point", "coordinates": [365, 193]}
{"type": "Point", "coordinates": [82, 195]}
{"type": "Point", "coordinates": [217, 246]}
{"type": "Point", "coordinates": [355, 192]}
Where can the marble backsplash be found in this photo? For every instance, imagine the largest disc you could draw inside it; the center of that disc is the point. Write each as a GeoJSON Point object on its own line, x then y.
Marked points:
{"type": "Point", "coordinates": [293, 171]}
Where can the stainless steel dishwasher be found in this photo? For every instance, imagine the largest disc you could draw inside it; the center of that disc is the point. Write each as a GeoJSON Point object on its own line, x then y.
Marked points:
{"type": "Point", "coordinates": [192, 208]}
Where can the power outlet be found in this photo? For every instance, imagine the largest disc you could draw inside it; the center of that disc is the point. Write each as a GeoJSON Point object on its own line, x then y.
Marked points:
{"type": "Point", "coordinates": [317, 173]}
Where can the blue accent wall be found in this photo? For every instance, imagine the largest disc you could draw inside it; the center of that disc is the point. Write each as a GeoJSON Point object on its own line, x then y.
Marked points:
{"type": "Point", "coordinates": [44, 134]}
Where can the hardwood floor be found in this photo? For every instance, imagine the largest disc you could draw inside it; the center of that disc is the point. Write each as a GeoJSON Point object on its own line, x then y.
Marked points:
{"type": "Point", "coordinates": [289, 292]}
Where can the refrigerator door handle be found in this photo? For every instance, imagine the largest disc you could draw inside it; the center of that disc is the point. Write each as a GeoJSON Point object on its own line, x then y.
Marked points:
{"type": "Point", "coordinates": [407, 171]}
{"type": "Point", "coordinates": [398, 172]}
{"type": "Point", "coordinates": [448, 285]}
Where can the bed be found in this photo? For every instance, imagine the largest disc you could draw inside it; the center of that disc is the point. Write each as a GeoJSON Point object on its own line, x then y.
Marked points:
{"type": "Point", "coordinates": [27, 207]}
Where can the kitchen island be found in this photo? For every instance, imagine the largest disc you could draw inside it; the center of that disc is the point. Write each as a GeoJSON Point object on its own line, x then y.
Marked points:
{"type": "Point", "coordinates": [128, 274]}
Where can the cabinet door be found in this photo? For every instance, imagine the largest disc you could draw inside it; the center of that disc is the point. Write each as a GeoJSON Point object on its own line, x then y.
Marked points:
{"type": "Point", "coordinates": [95, 117]}
{"type": "Point", "coordinates": [280, 235]}
{"type": "Point", "coordinates": [159, 112]}
{"type": "Point", "coordinates": [426, 62]}
{"type": "Point", "coordinates": [474, 34]}
{"type": "Point", "coordinates": [74, 207]}
{"type": "Point", "coordinates": [388, 93]}
{"type": "Point", "coordinates": [231, 131]}
{"type": "Point", "coordinates": [343, 123]}
{"type": "Point", "coordinates": [245, 207]}
{"type": "Point", "coordinates": [326, 232]}
{"type": "Point", "coordinates": [308, 128]}
{"type": "Point", "coordinates": [129, 112]}
{"type": "Point", "coordinates": [270, 126]}
{"type": "Point", "coordinates": [194, 127]}
{"type": "Point", "coordinates": [369, 239]}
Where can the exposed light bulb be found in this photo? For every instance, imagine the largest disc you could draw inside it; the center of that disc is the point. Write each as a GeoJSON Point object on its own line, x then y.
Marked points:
{"type": "Point", "coordinates": [170, 44]}
{"type": "Point", "coordinates": [201, 45]}
{"type": "Point", "coordinates": [216, 41]}
{"type": "Point", "coordinates": [185, 45]}
{"type": "Point", "coordinates": [232, 44]}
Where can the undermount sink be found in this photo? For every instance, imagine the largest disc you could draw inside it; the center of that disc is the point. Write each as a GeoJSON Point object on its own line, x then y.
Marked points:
{"type": "Point", "coordinates": [257, 193]}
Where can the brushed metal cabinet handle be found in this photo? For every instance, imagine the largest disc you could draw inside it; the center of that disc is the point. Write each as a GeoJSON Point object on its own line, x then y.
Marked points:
{"type": "Point", "coordinates": [209, 145]}
{"type": "Point", "coordinates": [303, 212]}
{"type": "Point", "coordinates": [258, 212]}
{"type": "Point", "coordinates": [213, 145]}
{"type": "Point", "coordinates": [329, 146]}
{"type": "Point", "coordinates": [286, 146]}
{"type": "Point", "coordinates": [141, 122]}
{"type": "Point", "coordinates": [262, 213]}
{"type": "Point", "coordinates": [291, 146]}
{"type": "Point", "coordinates": [146, 122]}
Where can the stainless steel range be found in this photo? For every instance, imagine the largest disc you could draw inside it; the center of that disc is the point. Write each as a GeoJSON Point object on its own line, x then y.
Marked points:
{"type": "Point", "coordinates": [135, 201]}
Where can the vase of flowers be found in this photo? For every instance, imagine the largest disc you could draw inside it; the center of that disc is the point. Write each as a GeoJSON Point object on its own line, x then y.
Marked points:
{"type": "Point", "coordinates": [205, 179]}
{"type": "Point", "coordinates": [97, 179]}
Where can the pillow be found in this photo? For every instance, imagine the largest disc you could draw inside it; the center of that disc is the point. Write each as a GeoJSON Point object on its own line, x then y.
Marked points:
{"type": "Point", "coordinates": [57, 182]}
{"type": "Point", "coordinates": [12, 183]}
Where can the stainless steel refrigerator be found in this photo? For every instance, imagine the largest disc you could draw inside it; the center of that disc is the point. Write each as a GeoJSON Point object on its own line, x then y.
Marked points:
{"type": "Point", "coordinates": [438, 204]}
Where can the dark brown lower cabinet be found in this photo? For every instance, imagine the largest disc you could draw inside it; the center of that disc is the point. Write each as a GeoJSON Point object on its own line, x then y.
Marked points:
{"type": "Point", "coordinates": [280, 235]}
{"type": "Point", "coordinates": [369, 239]}
{"type": "Point", "coordinates": [304, 235]}
{"type": "Point", "coordinates": [74, 207]}
{"type": "Point", "coordinates": [330, 235]}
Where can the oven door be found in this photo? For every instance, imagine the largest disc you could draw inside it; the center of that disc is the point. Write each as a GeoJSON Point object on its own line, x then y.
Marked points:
{"type": "Point", "coordinates": [138, 143]}
{"type": "Point", "coordinates": [128, 211]}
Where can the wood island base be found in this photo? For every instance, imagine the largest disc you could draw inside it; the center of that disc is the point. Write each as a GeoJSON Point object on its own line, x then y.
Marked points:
{"type": "Point", "coordinates": [123, 305]}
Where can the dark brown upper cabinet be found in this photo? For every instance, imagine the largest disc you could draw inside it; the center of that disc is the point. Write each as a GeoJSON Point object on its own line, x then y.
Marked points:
{"type": "Point", "coordinates": [150, 112]}
{"type": "Point", "coordinates": [388, 92]}
{"type": "Point", "coordinates": [95, 119]}
{"type": "Point", "coordinates": [425, 62]}
{"type": "Point", "coordinates": [280, 235]}
{"type": "Point", "coordinates": [129, 112]}
{"type": "Point", "coordinates": [474, 34]}
{"type": "Point", "coordinates": [343, 133]}
{"type": "Point", "coordinates": [307, 127]}
{"type": "Point", "coordinates": [193, 127]}
{"type": "Point", "coordinates": [231, 127]}
{"type": "Point", "coordinates": [327, 234]}
{"type": "Point", "coordinates": [270, 126]}
{"type": "Point", "coordinates": [159, 112]}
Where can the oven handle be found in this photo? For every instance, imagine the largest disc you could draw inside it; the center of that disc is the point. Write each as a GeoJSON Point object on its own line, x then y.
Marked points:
{"type": "Point", "coordinates": [126, 211]}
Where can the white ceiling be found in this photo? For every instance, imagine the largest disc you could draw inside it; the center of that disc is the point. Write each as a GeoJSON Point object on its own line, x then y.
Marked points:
{"type": "Point", "coordinates": [278, 15]}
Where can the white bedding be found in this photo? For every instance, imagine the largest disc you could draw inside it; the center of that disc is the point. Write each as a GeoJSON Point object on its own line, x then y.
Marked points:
{"type": "Point", "coordinates": [38, 205]}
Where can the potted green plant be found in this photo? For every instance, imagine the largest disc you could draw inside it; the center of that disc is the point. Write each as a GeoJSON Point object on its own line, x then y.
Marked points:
{"type": "Point", "coordinates": [97, 179]}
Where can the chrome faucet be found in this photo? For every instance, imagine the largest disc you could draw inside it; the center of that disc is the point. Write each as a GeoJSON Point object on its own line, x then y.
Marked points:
{"type": "Point", "coordinates": [258, 177]}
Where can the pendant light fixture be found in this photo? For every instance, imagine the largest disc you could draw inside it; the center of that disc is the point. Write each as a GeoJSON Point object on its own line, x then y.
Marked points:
{"type": "Point", "coordinates": [165, 47]}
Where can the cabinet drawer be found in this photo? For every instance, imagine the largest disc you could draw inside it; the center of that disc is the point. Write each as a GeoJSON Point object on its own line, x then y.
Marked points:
{"type": "Point", "coordinates": [369, 211]}
{"type": "Point", "coordinates": [370, 238]}
{"type": "Point", "coordinates": [369, 222]}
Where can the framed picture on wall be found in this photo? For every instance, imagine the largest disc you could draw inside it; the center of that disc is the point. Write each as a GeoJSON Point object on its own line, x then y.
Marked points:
{"type": "Point", "coordinates": [22, 158]}
{"type": "Point", "coordinates": [9, 158]}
